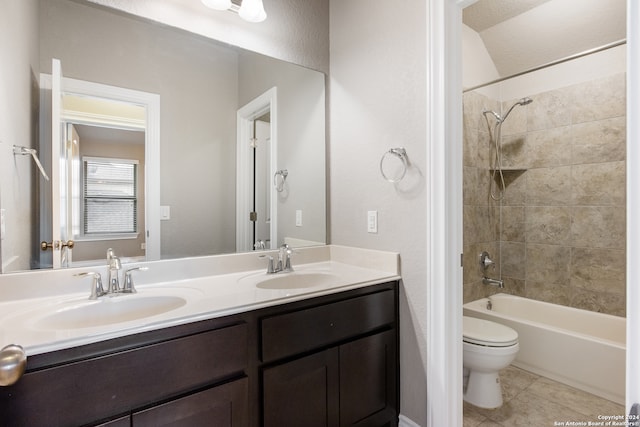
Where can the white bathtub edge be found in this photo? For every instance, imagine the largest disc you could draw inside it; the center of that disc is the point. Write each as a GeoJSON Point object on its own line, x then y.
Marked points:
{"type": "Point", "coordinates": [616, 398]}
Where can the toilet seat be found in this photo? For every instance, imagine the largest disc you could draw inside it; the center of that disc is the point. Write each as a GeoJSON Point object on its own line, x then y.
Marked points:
{"type": "Point", "coordinates": [486, 333]}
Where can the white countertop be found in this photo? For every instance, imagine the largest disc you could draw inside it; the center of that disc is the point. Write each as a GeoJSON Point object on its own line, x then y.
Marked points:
{"type": "Point", "coordinates": [23, 307]}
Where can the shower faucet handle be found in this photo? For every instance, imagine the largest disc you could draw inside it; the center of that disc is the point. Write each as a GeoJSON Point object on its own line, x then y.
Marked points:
{"type": "Point", "coordinates": [485, 261]}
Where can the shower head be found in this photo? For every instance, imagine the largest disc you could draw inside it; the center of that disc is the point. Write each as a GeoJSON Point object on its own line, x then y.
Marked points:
{"type": "Point", "coordinates": [500, 119]}
{"type": "Point", "coordinates": [522, 101]}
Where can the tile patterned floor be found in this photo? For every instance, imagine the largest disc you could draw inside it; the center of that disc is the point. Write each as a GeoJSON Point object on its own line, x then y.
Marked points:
{"type": "Point", "coordinates": [532, 400]}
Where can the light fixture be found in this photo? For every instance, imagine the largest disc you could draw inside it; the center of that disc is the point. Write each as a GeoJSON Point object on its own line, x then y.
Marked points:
{"type": "Point", "coordinates": [249, 10]}
{"type": "Point", "coordinates": [252, 11]}
{"type": "Point", "coordinates": [217, 4]}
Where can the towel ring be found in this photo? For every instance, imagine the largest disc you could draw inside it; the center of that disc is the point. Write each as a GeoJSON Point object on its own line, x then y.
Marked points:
{"type": "Point", "coordinates": [279, 178]}
{"type": "Point", "coordinates": [401, 154]}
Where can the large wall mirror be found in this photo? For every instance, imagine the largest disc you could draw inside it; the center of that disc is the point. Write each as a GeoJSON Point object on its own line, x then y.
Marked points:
{"type": "Point", "coordinates": [190, 207]}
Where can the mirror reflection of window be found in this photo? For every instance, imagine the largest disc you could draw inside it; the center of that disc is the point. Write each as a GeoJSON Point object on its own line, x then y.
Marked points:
{"type": "Point", "coordinates": [108, 193]}
{"type": "Point", "coordinates": [109, 196]}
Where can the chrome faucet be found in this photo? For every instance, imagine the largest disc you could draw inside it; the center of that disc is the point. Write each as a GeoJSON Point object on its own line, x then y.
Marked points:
{"type": "Point", "coordinates": [113, 286]}
{"type": "Point", "coordinates": [113, 267]}
{"type": "Point", "coordinates": [284, 261]}
{"type": "Point", "coordinates": [495, 282]}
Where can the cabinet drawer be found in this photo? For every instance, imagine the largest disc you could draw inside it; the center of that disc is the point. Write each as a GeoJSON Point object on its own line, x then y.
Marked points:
{"type": "Point", "coordinates": [222, 406]}
{"type": "Point", "coordinates": [304, 330]}
{"type": "Point", "coordinates": [89, 390]}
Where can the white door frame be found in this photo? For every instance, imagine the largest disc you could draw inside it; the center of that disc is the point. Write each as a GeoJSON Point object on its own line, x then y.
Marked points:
{"type": "Point", "coordinates": [151, 103]}
{"type": "Point", "coordinates": [633, 204]}
{"type": "Point", "coordinates": [444, 210]}
{"type": "Point", "coordinates": [267, 102]}
{"type": "Point", "coordinates": [444, 213]}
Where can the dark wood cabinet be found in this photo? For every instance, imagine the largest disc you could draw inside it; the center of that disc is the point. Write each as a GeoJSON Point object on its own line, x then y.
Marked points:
{"type": "Point", "coordinates": [325, 361]}
{"type": "Point", "coordinates": [222, 406]}
{"type": "Point", "coordinates": [304, 392]}
{"type": "Point", "coordinates": [368, 381]}
{"type": "Point", "coordinates": [351, 383]}
{"type": "Point", "coordinates": [84, 391]}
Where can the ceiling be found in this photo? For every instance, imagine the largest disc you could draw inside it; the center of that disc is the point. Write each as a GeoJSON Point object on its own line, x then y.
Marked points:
{"type": "Point", "coordinates": [523, 34]}
{"type": "Point", "coordinates": [488, 13]}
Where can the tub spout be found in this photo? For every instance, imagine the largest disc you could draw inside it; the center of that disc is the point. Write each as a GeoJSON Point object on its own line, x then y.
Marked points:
{"type": "Point", "coordinates": [495, 282]}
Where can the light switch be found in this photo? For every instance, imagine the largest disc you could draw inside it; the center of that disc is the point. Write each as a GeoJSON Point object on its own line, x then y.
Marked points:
{"type": "Point", "coordinates": [165, 213]}
{"type": "Point", "coordinates": [298, 218]}
{"type": "Point", "coordinates": [372, 221]}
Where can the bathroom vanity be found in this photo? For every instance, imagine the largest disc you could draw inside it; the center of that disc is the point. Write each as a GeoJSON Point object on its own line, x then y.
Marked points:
{"type": "Point", "coordinates": [325, 356]}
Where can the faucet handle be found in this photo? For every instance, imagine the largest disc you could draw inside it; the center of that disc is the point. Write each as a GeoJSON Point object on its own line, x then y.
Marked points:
{"type": "Point", "coordinates": [97, 290]}
{"type": "Point", "coordinates": [128, 287]}
{"type": "Point", "coordinates": [485, 261]}
{"type": "Point", "coordinates": [270, 268]}
{"type": "Point", "coordinates": [287, 260]}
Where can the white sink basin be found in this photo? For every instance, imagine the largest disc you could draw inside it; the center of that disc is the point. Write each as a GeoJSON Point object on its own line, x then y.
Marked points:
{"type": "Point", "coordinates": [297, 280]}
{"type": "Point", "coordinates": [105, 311]}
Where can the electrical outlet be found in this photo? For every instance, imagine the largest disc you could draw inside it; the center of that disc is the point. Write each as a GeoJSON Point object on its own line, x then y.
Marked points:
{"type": "Point", "coordinates": [372, 221]}
{"type": "Point", "coordinates": [298, 218]}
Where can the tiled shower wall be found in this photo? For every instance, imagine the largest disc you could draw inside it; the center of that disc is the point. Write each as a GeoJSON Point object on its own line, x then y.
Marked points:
{"type": "Point", "coordinates": [559, 233]}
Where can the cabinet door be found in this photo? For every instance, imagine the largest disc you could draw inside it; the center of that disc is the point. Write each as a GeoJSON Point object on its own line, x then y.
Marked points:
{"type": "Point", "coordinates": [368, 386]}
{"type": "Point", "coordinates": [221, 406]}
{"type": "Point", "coordinates": [303, 392]}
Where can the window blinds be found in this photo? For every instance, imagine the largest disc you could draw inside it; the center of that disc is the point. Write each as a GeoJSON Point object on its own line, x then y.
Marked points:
{"type": "Point", "coordinates": [110, 196]}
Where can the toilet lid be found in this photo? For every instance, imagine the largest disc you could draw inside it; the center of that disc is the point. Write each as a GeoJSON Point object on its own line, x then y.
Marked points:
{"type": "Point", "coordinates": [487, 333]}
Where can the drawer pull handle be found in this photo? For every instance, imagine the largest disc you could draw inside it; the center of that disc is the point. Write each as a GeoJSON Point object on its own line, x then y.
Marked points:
{"type": "Point", "coordinates": [13, 362]}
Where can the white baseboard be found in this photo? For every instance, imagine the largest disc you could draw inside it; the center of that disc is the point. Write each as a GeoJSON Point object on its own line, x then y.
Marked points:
{"type": "Point", "coordinates": [406, 422]}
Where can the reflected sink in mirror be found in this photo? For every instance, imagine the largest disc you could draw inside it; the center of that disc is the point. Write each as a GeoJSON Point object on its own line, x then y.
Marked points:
{"type": "Point", "coordinates": [297, 280]}
{"type": "Point", "coordinates": [108, 310]}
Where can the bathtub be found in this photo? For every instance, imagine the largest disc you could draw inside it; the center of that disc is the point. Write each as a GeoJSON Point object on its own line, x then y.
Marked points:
{"type": "Point", "coordinates": [580, 348]}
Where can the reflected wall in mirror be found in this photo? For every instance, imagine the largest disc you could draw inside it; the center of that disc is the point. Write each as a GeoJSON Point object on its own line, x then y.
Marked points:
{"type": "Point", "coordinates": [201, 85]}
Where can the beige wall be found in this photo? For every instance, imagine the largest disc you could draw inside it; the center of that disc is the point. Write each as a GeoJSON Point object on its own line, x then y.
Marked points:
{"type": "Point", "coordinates": [18, 118]}
{"type": "Point", "coordinates": [378, 101]}
{"type": "Point", "coordinates": [559, 233]}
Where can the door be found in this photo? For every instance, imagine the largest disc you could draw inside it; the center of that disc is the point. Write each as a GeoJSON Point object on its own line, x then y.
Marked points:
{"type": "Point", "coordinates": [61, 155]}
{"type": "Point", "coordinates": [262, 183]}
{"type": "Point", "coordinates": [62, 148]}
{"type": "Point", "coordinates": [59, 232]}
{"type": "Point", "coordinates": [247, 117]}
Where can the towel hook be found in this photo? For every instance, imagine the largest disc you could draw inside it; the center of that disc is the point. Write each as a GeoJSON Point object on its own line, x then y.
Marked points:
{"type": "Point", "coordinates": [279, 178]}
{"type": "Point", "coordinates": [401, 154]}
{"type": "Point", "coordinates": [24, 151]}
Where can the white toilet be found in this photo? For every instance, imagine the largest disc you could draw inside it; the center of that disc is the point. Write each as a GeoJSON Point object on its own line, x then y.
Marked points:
{"type": "Point", "coordinates": [487, 347]}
